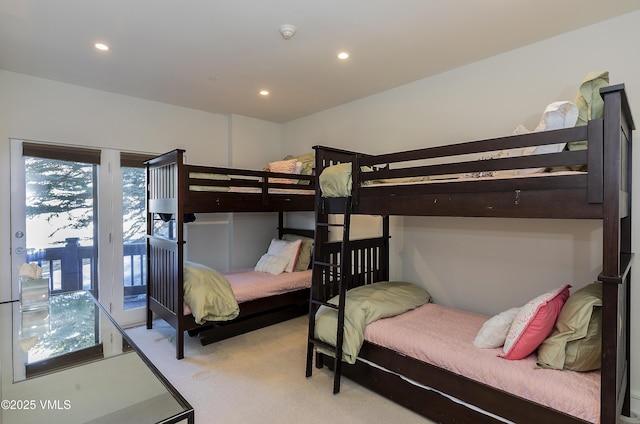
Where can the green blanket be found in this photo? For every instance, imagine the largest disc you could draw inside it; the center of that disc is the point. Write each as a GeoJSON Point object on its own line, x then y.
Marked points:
{"type": "Point", "coordinates": [336, 181]}
{"type": "Point", "coordinates": [208, 294]}
{"type": "Point", "coordinates": [364, 305]}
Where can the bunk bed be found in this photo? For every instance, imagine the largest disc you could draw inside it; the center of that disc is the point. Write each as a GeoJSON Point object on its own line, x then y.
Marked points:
{"type": "Point", "coordinates": [593, 183]}
{"type": "Point", "coordinates": [176, 191]}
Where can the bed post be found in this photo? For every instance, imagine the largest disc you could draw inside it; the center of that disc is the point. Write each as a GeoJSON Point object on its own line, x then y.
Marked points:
{"type": "Point", "coordinates": [386, 236]}
{"type": "Point", "coordinates": [182, 183]}
{"type": "Point", "coordinates": [615, 277]}
{"type": "Point", "coordinates": [149, 217]}
{"type": "Point", "coordinates": [166, 187]}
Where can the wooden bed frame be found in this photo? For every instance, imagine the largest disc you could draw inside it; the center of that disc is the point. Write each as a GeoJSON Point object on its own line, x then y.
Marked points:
{"type": "Point", "coordinates": [169, 183]}
{"type": "Point", "coordinates": [601, 193]}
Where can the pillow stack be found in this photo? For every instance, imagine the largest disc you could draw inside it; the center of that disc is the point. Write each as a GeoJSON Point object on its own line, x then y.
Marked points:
{"type": "Point", "coordinates": [565, 330]}
{"type": "Point", "coordinates": [307, 162]}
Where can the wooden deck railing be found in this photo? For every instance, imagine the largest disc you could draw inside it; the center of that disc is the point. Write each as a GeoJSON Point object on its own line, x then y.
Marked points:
{"type": "Point", "coordinates": [75, 267]}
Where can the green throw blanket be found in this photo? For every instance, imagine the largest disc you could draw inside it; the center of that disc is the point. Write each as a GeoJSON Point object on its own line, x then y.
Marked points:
{"type": "Point", "coordinates": [208, 294]}
{"type": "Point", "coordinates": [364, 305]}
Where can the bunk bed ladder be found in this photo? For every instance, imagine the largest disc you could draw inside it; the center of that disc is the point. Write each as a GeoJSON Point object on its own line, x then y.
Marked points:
{"type": "Point", "coordinates": [329, 277]}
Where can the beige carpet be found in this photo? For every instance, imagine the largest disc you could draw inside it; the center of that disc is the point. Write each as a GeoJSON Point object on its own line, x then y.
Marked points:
{"type": "Point", "coordinates": [259, 377]}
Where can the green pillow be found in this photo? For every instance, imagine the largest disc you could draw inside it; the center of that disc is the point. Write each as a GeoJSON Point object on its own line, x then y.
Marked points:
{"type": "Point", "coordinates": [589, 102]}
{"type": "Point", "coordinates": [576, 340]}
{"type": "Point", "coordinates": [306, 250]}
{"type": "Point", "coordinates": [335, 180]}
{"type": "Point", "coordinates": [585, 354]}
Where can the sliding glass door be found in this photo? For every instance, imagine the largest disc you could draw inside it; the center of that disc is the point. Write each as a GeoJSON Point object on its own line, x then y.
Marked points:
{"type": "Point", "coordinates": [80, 215]}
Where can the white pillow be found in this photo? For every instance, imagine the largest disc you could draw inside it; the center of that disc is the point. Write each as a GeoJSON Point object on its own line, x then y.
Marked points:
{"type": "Point", "coordinates": [273, 264]}
{"type": "Point", "coordinates": [557, 115]}
{"type": "Point", "coordinates": [288, 249]}
{"type": "Point", "coordinates": [494, 331]}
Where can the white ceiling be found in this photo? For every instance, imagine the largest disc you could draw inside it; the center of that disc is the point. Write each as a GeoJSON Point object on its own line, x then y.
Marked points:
{"type": "Point", "coordinates": [215, 55]}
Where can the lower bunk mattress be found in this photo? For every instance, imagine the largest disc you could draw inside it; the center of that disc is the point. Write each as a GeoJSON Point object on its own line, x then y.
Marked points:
{"type": "Point", "coordinates": [250, 285]}
{"type": "Point", "coordinates": [444, 336]}
{"type": "Point", "coordinates": [214, 296]}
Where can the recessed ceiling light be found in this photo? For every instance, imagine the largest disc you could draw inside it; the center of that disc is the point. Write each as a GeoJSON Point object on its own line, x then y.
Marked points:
{"type": "Point", "coordinates": [101, 46]}
{"type": "Point", "coordinates": [343, 55]}
{"type": "Point", "coordinates": [264, 92]}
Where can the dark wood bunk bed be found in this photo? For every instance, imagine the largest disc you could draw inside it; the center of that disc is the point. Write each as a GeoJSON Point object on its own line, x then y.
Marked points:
{"type": "Point", "coordinates": [603, 193]}
{"type": "Point", "coordinates": [176, 190]}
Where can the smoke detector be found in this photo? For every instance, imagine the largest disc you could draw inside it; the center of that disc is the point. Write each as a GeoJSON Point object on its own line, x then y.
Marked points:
{"type": "Point", "coordinates": [287, 31]}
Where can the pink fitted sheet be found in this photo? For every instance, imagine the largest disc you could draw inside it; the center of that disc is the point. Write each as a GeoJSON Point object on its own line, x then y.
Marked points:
{"type": "Point", "coordinates": [444, 337]}
{"type": "Point", "coordinates": [249, 285]}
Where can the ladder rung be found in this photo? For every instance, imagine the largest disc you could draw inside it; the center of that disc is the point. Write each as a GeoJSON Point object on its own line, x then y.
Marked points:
{"type": "Point", "coordinates": [327, 304]}
{"type": "Point", "coordinates": [328, 224]}
{"type": "Point", "coordinates": [326, 264]}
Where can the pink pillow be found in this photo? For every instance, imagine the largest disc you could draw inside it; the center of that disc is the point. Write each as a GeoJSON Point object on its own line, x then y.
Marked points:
{"type": "Point", "coordinates": [534, 323]}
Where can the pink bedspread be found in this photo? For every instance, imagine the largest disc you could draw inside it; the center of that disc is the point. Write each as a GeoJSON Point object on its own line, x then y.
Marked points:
{"type": "Point", "coordinates": [444, 337]}
{"type": "Point", "coordinates": [248, 284]}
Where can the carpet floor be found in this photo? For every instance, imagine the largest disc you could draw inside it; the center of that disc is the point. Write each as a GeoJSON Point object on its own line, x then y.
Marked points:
{"type": "Point", "coordinates": [259, 377]}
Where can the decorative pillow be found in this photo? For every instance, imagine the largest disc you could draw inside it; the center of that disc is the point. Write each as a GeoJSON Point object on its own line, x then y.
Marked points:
{"type": "Point", "coordinates": [306, 250]}
{"type": "Point", "coordinates": [288, 249]}
{"type": "Point", "coordinates": [576, 340]}
{"type": "Point", "coordinates": [285, 167]}
{"type": "Point", "coordinates": [494, 331]}
{"type": "Point", "coordinates": [534, 323]}
{"type": "Point", "coordinates": [273, 264]}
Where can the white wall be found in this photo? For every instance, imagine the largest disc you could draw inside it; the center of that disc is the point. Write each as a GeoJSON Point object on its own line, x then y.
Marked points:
{"type": "Point", "coordinates": [231, 241]}
{"type": "Point", "coordinates": [489, 265]}
{"type": "Point", "coordinates": [255, 144]}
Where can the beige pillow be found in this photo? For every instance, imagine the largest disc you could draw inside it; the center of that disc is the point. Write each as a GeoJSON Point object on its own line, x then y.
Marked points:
{"type": "Point", "coordinates": [306, 250]}
{"type": "Point", "coordinates": [576, 341]}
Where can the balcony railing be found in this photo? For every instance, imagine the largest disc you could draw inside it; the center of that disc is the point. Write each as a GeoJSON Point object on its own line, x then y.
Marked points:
{"type": "Point", "coordinates": [74, 267]}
